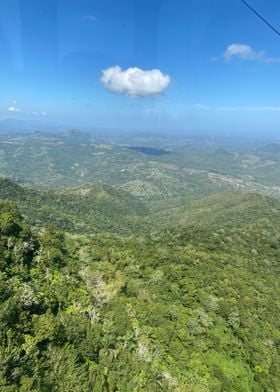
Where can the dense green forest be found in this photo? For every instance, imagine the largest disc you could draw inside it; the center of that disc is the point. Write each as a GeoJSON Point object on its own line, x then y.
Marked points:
{"type": "Point", "coordinates": [191, 308]}
{"type": "Point", "coordinates": [91, 208]}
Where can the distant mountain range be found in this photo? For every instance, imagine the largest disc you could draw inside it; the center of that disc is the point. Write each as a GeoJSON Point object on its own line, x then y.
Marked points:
{"type": "Point", "coordinates": [8, 126]}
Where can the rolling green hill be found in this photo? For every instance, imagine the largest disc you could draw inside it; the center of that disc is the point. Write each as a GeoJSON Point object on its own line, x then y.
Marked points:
{"type": "Point", "coordinates": [230, 207]}
{"type": "Point", "coordinates": [159, 175]}
{"type": "Point", "coordinates": [85, 209]}
{"type": "Point", "coordinates": [102, 208]}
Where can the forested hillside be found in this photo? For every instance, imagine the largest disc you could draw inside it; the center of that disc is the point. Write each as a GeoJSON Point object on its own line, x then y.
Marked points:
{"type": "Point", "coordinates": [232, 207]}
{"type": "Point", "coordinates": [186, 309]}
{"type": "Point", "coordinates": [87, 209]}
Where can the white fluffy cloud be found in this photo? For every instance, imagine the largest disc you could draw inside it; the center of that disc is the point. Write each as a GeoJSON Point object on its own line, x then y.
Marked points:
{"type": "Point", "coordinates": [244, 52]}
{"type": "Point", "coordinates": [17, 110]}
{"type": "Point", "coordinates": [134, 82]}
{"type": "Point", "coordinates": [247, 53]}
{"type": "Point", "coordinates": [13, 109]}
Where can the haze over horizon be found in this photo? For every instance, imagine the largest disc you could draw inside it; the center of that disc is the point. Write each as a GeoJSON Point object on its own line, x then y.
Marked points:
{"type": "Point", "coordinates": [153, 65]}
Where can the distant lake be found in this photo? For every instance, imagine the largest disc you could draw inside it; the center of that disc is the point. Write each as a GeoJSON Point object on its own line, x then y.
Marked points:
{"type": "Point", "coordinates": [149, 150]}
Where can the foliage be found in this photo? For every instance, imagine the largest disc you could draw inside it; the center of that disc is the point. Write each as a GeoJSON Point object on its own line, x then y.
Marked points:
{"type": "Point", "coordinates": [191, 308]}
{"type": "Point", "coordinates": [91, 208]}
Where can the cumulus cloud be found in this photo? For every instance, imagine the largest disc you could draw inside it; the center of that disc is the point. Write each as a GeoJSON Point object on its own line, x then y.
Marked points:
{"type": "Point", "coordinates": [244, 52]}
{"type": "Point", "coordinates": [247, 53]}
{"type": "Point", "coordinates": [13, 109]}
{"type": "Point", "coordinates": [134, 82]}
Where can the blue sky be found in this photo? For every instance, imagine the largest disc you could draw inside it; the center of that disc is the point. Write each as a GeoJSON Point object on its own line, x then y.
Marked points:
{"type": "Point", "coordinates": [196, 65]}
